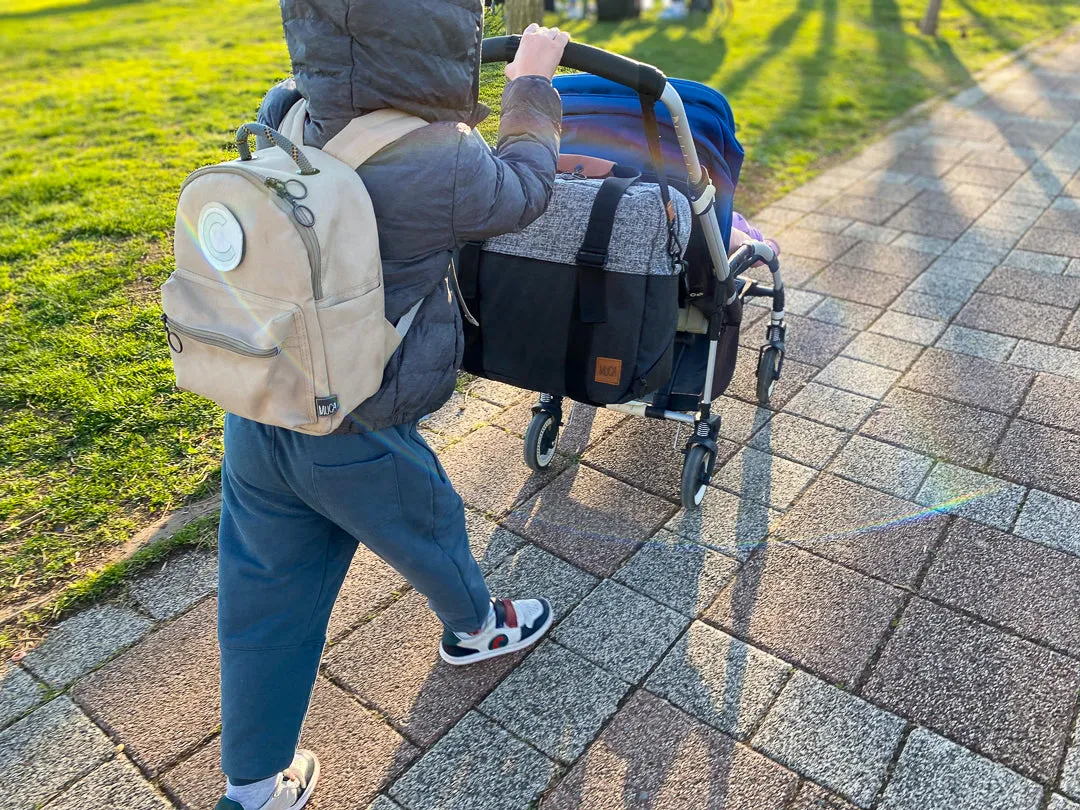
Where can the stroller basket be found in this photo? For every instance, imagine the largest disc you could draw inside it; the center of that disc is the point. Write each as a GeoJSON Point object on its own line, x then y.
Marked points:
{"type": "Point", "coordinates": [686, 143]}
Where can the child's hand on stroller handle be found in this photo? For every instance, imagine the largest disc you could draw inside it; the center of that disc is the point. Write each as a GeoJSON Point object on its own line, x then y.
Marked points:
{"type": "Point", "coordinates": [539, 53]}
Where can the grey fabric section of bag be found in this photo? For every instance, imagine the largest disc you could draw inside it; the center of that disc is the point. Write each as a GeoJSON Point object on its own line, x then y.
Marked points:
{"type": "Point", "coordinates": [437, 187]}
{"type": "Point", "coordinates": [638, 240]}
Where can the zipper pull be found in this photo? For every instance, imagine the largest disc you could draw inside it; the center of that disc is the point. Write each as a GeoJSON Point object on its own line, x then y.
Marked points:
{"type": "Point", "coordinates": [175, 343]}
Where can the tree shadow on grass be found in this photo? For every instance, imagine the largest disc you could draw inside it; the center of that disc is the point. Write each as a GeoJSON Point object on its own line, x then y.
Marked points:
{"type": "Point", "coordinates": [65, 10]}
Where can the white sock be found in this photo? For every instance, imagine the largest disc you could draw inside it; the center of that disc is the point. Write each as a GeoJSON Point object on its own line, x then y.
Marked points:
{"type": "Point", "coordinates": [255, 795]}
{"type": "Point", "coordinates": [489, 622]}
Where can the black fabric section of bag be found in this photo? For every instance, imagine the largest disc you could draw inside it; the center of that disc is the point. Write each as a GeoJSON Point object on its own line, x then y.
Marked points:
{"type": "Point", "coordinates": [530, 334]}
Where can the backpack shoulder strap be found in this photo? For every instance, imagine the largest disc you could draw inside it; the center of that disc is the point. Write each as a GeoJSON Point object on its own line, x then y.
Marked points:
{"type": "Point", "coordinates": [368, 134]}
{"type": "Point", "coordinates": [292, 125]}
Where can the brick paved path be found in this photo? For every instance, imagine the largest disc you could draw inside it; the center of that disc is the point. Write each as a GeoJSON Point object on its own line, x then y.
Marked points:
{"type": "Point", "coordinates": [876, 653]}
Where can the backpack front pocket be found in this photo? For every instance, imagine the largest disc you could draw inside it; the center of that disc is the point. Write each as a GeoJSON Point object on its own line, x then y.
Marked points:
{"type": "Point", "coordinates": [246, 352]}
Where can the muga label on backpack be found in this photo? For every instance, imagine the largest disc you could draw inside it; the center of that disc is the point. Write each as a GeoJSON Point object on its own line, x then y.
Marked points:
{"type": "Point", "coordinates": [326, 406]}
{"type": "Point", "coordinates": [608, 370]}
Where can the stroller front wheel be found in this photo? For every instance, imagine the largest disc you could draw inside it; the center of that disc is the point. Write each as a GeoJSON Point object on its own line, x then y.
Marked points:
{"type": "Point", "coordinates": [768, 372]}
{"type": "Point", "coordinates": [540, 441]}
{"type": "Point", "coordinates": [695, 476]}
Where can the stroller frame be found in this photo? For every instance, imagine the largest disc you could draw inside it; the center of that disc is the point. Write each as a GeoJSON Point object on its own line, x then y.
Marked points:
{"type": "Point", "coordinates": [729, 291]}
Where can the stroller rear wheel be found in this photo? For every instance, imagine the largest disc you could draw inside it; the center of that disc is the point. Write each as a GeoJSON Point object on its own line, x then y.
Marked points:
{"type": "Point", "coordinates": [768, 372]}
{"type": "Point", "coordinates": [695, 475]}
{"type": "Point", "coordinates": [540, 441]}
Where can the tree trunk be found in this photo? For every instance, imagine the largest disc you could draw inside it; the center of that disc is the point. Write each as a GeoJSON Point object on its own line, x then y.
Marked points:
{"type": "Point", "coordinates": [614, 10]}
{"type": "Point", "coordinates": [930, 21]}
{"type": "Point", "coordinates": [519, 13]}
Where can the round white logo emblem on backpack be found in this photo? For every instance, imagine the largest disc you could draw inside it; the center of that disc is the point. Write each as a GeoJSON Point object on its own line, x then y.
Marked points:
{"type": "Point", "coordinates": [220, 237]}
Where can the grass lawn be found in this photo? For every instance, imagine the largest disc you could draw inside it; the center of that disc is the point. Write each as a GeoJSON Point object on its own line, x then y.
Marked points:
{"type": "Point", "coordinates": [109, 103]}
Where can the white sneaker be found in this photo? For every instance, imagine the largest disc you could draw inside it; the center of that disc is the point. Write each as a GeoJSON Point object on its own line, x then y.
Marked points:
{"type": "Point", "coordinates": [293, 791]}
{"type": "Point", "coordinates": [513, 626]}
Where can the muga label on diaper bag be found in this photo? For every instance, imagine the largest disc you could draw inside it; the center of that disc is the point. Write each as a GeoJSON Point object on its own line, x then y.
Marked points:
{"type": "Point", "coordinates": [608, 370]}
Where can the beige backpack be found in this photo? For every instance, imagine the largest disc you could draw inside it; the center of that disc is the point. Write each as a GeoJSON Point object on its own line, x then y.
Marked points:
{"type": "Point", "coordinates": [275, 309]}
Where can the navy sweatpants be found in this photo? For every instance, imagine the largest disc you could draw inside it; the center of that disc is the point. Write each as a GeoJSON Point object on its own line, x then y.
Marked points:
{"type": "Point", "coordinates": [294, 507]}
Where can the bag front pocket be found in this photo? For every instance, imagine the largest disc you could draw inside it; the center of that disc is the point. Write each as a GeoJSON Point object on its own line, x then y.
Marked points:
{"type": "Point", "coordinates": [246, 352]}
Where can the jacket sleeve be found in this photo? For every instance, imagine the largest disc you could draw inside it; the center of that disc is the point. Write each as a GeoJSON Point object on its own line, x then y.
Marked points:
{"type": "Point", "coordinates": [503, 191]}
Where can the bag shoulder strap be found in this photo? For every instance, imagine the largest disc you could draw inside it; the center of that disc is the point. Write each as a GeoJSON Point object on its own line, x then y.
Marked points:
{"type": "Point", "coordinates": [292, 125]}
{"type": "Point", "coordinates": [594, 247]}
{"type": "Point", "coordinates": [368, 134]}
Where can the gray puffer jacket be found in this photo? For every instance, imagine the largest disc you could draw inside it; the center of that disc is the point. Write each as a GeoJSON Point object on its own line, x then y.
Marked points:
{"type": "Point", "coordinates": [436, 188]}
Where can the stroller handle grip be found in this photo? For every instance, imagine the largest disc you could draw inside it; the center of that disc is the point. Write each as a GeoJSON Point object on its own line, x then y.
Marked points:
{"type": "Point", "coordinates": [643, 78]}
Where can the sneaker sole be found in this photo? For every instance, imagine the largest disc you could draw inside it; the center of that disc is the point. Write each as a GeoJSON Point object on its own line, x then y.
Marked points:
{"type": "Point", "coordinates": [485, 655]}
{"type": "Point", "coordinates": [305, 797]}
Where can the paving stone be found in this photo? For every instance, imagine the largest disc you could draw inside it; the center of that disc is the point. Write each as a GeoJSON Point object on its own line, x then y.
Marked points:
{"type": "Point", "coordinates": [47, 750]}
{"type": "Point", "coordinates": [1027, 587]}
{"type": "Point", "coordinates": [1053, 401]}
{"type": "Point", "coordinates": [871, 233]}
{"type": "Point", "coordinates": [590, 519]}
{"type": "Point", "coordinates": [1041, 456]}
{"type": "Point", "coordinates": [532, 572]}
{"type": "Point", "coordinates": [864, 529]}
{"type": "Point", "coordinates": [763, 477]}
{"type": "Point", "coordinates": [675, 572]}
{"type": "Point", "coordinates": [1036, 262]}
{"type": "Point", "coordinates": [873, 210]}
{"type": "Point", "coordinates": [929, 223]}
{"type": "Point", "coordinates": [1074, 268]}
{"type": "Point", "coordinates": [584, 428]}
{"type": "Point", "coordinates": [740, 420]}
{"type": "Point", "coordinates": [1048, 240]}
{"type": "Point", "coordinates": [882, 466]}
{"type": "Point", "coordinates": [1057, 219]}
{"type": "Point", "coordinates": [86, 640]}
{"type": "Point", "coordinates": [799, 439]}
{"type": "Point", "coordinates": [460, 415]}
{"type": "Point", "coordinates": [812, 342]}
{"type": "Point", "coordinates": [447, 777]}
{"type": "Point", "coordinates": [984, 244]}
{"type": "Point", "coordinates": [620, 630]}
{"type": "Point", "coordinates": [935, 774]}
{"type": "Point", "coordinates": [174, 586]}
{"type": "Point", "coordinates": [858, 377]}
{"type": "Point", "coordinates": [744, 382]}
{"type": "Point", "coordinates": [832, 406]}
{"type": "Point", "coordinates": [490, 542]}
{"type": "Point", "coordinates": [384, 803]}
{"type": "Point", "coordinates": [1071, 337]}
{"type": "Point", "coordinates": [488, 470]}
{"type": "Point", "coordinates": [654, 755]}
{"type": "Point", "coordinates": [999, 695]}
{"type": "Point", "coordinates": [496, 392]}
{"type": "Point", "coordinates": [881, 188]}
{"type": "Point", "coordinates": [813, 245]}
{"type": "Point", "coordinates": [19, 693]}
{"type": "Point", "coordinates": [725, 523]}
{"type": "Point", "coordinates": [369, 584]}
{"type": "Point", "coordinates": [1070, 775]}
{"type": "Point", "coordinates": [1040, 357]}
{"type": "Point", "coordinates": [908, 327]}
{"type": "Point", "coordinates": [936, 427]}
{"type": "Point", "coordinates": [556, 701]}
{"type": "Point", "coordinates": [889, 259]}
{"type": "Point", "coordinates": [962, 268]}
{"type": "Point", "coordinates": [976, 343]}
{"type": "Point", "coordinates": [845, 313]}
{"type": "Point", "coordinates": [964, 204]}
{"type": "Point", "coordinates": [821, 616]}
{"type": "Point", "coordinates": [857, 284]}
{"type": "Point", "coordinates": [882, 350]}
{"type": "Point", "coordinates": [117, 784]}
{"type": "Point", "coordinates": [161, 697]}
{"type": "Point", "coordinates": [946, 285]}
{"type": "Point", "coordinates": [797, 269]}
{"type": "Point", "coordinates": [922, 243]}
{"type": "Point", "coordinates": [935, 307]}
{"type": "Point", "coordinates": [643, 453]}
{"type": "Point", "coordinates": [1050, 520]}
{"type": "Point", "coordinates": [778, 215]}
{"type": "Point", "coordinates": [815, 797]}
{"type": "Point", "coordinates": [969, 380]}
{"type": "Point", "coordinates": [719, 679]}
{"type": "Point", "coordinates": [826, 223]}
{"type": "Point", "coordinates": [1028, 285]}
{"type": "Point", "coordinates": [834, 738]}
{"type": "Point", "coordinates": [1061, 803]}
{"type": "Point", "coordinates": [983, 176]}
{"type": "Point", "coordinates": [973, 495]}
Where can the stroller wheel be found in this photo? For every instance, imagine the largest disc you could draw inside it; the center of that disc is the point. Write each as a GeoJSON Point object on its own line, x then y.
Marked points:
{"type": "Point", "coordinates": [768, 372]}
{"type": "Point", "coordinates": [695, 476]}
{"type": "Point", "coordinates": [540, 441]}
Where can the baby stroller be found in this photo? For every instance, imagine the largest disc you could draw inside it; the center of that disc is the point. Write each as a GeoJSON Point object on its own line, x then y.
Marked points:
{"type": "Point", "coordinates": [691, 147]}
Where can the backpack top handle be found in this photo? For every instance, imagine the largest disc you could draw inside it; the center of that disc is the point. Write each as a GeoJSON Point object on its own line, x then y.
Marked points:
{"type": "Point", "coordinates": [276, 139]}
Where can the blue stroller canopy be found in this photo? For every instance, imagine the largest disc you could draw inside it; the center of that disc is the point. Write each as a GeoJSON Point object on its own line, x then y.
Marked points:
{"type": "Point", "coordinates": [603, 119]}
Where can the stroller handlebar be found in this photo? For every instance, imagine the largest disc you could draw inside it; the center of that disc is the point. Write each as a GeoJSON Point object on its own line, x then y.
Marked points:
{"type": "Point", "coordinates": [643, 78]}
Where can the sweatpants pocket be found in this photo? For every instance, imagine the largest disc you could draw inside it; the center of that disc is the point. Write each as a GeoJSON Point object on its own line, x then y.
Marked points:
{"type": "Point", "coordinates": [363, 497]}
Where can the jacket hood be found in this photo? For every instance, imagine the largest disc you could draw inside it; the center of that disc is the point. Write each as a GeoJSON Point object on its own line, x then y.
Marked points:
{"type": "Point", "coordinates": [350, 57]}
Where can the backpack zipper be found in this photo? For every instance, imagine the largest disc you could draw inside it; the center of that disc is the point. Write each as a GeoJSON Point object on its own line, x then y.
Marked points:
{"type": "Point", "coordinates": [215, 339]}
{"type": "Point", "coordinates": [307, 233]}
